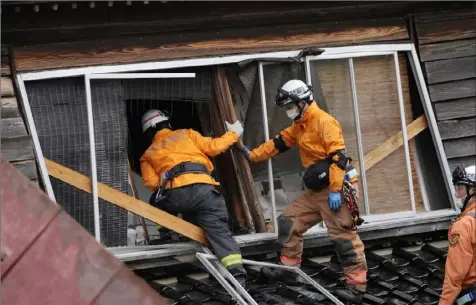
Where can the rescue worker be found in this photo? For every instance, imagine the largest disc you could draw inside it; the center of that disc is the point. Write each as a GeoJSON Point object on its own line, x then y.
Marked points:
{"type": "Point", "coordinates": [177, 168]}
{"type": "Point", "coordinates": [459, 286]}
{"type": "Point", "coordinates": [318, 136]}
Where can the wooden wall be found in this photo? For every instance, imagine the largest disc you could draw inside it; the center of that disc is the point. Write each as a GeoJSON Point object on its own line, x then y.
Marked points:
{"type": "Point", "coordinates": [447, 47]}
{"type": "Point", "coordinates": [16, 143]}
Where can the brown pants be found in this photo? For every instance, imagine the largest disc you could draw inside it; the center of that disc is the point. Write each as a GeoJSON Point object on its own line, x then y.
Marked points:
{"type": "Point", "coordinates": [311, 208]}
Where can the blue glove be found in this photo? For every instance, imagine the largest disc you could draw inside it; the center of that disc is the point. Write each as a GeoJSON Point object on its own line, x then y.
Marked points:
{"type": "Point", "coordinates": [334, 201]}
{"type": "Point", "coordinates": [246, 152]}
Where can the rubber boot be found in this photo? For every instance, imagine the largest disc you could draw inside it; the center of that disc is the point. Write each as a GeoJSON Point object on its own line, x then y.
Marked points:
{"type": "Point", "coordinates": [239, 273]}
{"type": "Point", "coordinates": [350, 295]}
{"type": "Point", "coordinates": [280, 274]}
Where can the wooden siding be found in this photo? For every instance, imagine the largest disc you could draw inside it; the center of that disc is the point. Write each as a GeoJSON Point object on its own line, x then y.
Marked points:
{"type": "Point", "coordinates": [447, 46]}
{"type": "Point", "coordinates": [16, 144]}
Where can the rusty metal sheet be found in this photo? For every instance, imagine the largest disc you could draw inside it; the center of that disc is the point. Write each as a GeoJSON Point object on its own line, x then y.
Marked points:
{"type": "Point", "coordinates": [26, 211]}
{"type": "Point", "coordinates": [64, 266]}
{"type": "Point", "coordinates": [60, 262]}
{"type": "Point", "coordinates": [126, 289]}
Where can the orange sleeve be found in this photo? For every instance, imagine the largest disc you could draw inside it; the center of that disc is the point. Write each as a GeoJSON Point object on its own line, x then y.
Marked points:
{"type": "Point", "coordinates": [271, 148]}
{"type": "Point", "coordinates": [458, 262]}
{"type": "Point", "coordinates": [213, 146]}
{"type": "Point", "coordinates": [149, 176]}
{"type": "Point", "coordinates": [333, 140]}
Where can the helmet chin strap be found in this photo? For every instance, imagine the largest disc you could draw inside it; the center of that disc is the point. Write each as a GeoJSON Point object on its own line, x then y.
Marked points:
{"type": "Point", "coordinates": [301, 111]}
{"type": "Point", "coordinates": [467, 198]}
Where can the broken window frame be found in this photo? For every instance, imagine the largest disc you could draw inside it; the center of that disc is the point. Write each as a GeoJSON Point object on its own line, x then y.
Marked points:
{"type": "Point", "coordinates": [329, 53]}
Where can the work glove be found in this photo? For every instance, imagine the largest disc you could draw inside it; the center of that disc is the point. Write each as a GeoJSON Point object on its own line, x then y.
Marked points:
{"type": "Point", "coordinates": [235, 127]}
{"type": "Point", "coordinates": [335, 201]}
{"type": "Point", "coordinates": [246, 152]}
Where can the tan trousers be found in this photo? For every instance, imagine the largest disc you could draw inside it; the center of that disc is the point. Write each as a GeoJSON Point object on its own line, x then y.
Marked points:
{"type": "Point", "coordinates": [311, 208]}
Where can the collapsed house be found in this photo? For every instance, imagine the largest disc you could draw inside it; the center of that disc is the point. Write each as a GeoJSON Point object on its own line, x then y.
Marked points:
{"type": "Point", "coordinates": [399, 77]}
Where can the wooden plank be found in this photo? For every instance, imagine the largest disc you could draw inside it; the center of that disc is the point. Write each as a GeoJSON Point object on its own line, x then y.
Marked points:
{"type": "Point", "coordinates": [17, 149]}
{"type": "Point", "coordinates": [5, 66]}
{"type": "Point", "coordinates": [244, 169]}
{"type": "Point", "coordinates": [127, 202]}
{"type": "Point", "coordinates": [460, 147]}
{"type": "Point", "coordinates": [455, 109]}
{"type": "Point", "coordinates": [445, 15]}
{"type": "Point", "coordinates": [12, 127]}
{"type": "Point", "coordinates": [386, 148]}
{"type": "Point", "coordinates": [9, 107]}
{"type": "Point", "coordinates": [6, 87]}
{"type": "Point", "coordinates": [453, 90]}
{"type": "Point", "coordinates": [114, 51]}
{"type": "Point", "coordinates": [453, 129]}
{"type": "Point", "coordinates": [450, 69]}
{"type": "Point", "coordinates": [463, 161]}
{"type": "Point", "coordinates": [445, 50]}
{"type": "Point", "coordinates": [431, 32]}
{"type": "Point", "coordinates": [27, 168]}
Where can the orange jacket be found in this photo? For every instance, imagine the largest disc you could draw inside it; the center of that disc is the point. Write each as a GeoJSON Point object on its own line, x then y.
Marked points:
{"type": "Point", "coordinates": [460, 269]}
{"type": "Point", "coordinates": [170, 148]}
{"type": "Point", "coordinates": [317, 135]}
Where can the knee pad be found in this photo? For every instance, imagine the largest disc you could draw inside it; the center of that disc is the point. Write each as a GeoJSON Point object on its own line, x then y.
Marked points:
{"type": "Point", "coordinates": [345, 252]}
{"type": "Point", "coordinates": [285, 225]}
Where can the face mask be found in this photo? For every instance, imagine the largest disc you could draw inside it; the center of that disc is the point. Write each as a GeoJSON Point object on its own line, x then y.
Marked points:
{"type": "Point", "coordinates": [459, 202]}
{"type": "Point", "coordinates": [292, 114]}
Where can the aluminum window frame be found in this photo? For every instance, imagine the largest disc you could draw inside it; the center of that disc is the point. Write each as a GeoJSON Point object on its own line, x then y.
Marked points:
{"type": "Point", "coordinates": [329, 53]}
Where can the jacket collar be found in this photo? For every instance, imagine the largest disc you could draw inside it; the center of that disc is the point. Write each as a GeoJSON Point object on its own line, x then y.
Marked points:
{"type": "Point", "coordinates": [310, 112]}
{"type": "Point", "coordinates": [162, 133]}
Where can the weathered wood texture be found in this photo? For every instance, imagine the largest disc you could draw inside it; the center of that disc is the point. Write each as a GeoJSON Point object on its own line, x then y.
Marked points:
{"type": "Point", "coordinates": [116, 50]}
{"type": "Point", "coordinates": [453, 90]}
{"type": "Point", "coordinates": [18, 148]}
{"type": "Point", "coordinates": [454, 129]}
{"type": "Point", "coordinates": [450, 69]}
{"type": "Point", "coordinates": [464, 161]}
{"type": "Point", "coordinates": [12, 127]}
{"type": "Point", "coordinates": [9, 107]}
{"type": "Point", "coordinates": [455, 109]}
{"type": "Point", "coordinates": [379, 120]}
{"type": "Point", "coordinates": [447, 30]}
{"type": "Point", "coordinates": [462, 147]}
{"type": "Point", "coordinates": [445, 50]}
{"type": "Point", "coordinates": [27, 168]}
{"type": "Point", "coordinates": [6, 87]}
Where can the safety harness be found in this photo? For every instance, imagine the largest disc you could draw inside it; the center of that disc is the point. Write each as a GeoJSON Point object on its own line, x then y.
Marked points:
{"type": "Point", "coordinates": [176, 171]}
{"type": "Point", "coordinates": [350, 195]}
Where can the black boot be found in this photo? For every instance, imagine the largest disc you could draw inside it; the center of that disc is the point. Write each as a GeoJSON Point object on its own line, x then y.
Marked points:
{"type": "Point", "coordinates": [239, 273]}
{"type": "Point", "coordinates": [279, 274]}
{"type": "Point", "coordinates": [350, 295]}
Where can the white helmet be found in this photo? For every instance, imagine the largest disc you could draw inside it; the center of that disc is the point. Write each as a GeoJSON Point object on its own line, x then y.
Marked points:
{"type": "Point", "coordinates": [153, 117]}
{"type": "Point", "coordinates": [293, 91]}
{"type": "Point", "coordinates": [465, 176]}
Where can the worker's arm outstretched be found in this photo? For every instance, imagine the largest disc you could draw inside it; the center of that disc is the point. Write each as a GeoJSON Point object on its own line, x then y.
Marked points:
{"type": "Point", "coordinates": [213, 146]}
{"type": "Point", "coordinates": [281, 143]}
{"type": "Point", "coordinates": [333, 141]}
{"type": "Point", "coordinates": [149, 176]}
{"type": "Point", "coordinates": [460, 256]}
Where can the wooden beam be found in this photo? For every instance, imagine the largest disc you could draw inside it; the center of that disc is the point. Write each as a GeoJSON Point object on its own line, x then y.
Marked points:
{"type": "Point", "coordinates": [17, 149]}
{"type": "Point", "coordinates": [463, 147]}
{"type": "Point", "coordinates": [454, 129]}
{"type": "Point", "coordinates": [9, 107]}
{"type": "Point", "coordinates": [446, 50]}
{"type": "Point", "coordinates": [127, 202]}
{"type": "Point", "coordinates": [453, 90]}
{"type": "Point", "coordinates": [6, 87]}
{"type": "Point", "coordinates": [132, 49]}
{"type": "Point", "coordinates": [438, 31]}
{"type": "Point", "coordinates": [450, 69]}
{"type": "Point", "coordinates": [455, 109]}
{"type": "Point", "coordinates": [393, 143]}
{"type": "Point", "coordinates": [12, 127]}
